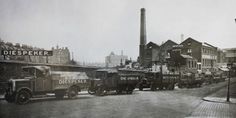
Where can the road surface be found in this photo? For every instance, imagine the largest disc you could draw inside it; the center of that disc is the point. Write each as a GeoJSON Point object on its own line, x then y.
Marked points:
{"type": "Point", "coordinates": [141, 104]}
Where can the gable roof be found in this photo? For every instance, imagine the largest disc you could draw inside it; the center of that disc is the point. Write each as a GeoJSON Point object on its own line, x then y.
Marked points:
{"type": "Point", "coordinates": [152, 44]}
{"type": "Point", "coordinates": [169, 42]}
{"type": "Point", "coordinates": [189, 38]}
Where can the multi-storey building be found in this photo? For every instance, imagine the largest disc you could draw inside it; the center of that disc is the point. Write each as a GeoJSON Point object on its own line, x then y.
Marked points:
{"type": "Point", "coordinates": [155, 54]}
{"type": "Point", "coordinates": [205, 54]}
{"type": "Point", "coordinates": [60, 55]}
{"type": "Point", "coordinates": [181, 62]}
{"type": "Point", "coordinates": [114, 60]}
{"type": "Point", "coordinates": [230, 55]}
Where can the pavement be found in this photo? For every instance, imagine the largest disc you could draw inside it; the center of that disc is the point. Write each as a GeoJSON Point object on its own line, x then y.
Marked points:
{"type": "Point", "coordinates": [221, 95]}
{"type": "Point", "coordinates": [215, 104]}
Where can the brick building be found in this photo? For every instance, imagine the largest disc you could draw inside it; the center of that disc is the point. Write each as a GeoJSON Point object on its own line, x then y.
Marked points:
{"type": "Point", "coordinates": [151, 54]}
{"type": "Point", "coordinates": [205, 54]}
{"type": "Point", "coordinates": [180, 62]}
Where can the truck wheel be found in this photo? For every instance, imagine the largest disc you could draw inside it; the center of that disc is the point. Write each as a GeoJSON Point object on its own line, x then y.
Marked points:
{"type": "Point", "coordinates": [161, 87]}
{"type": "Point", "coordinates": [153, 88]}
{"type": "Point", "coordinates": [73, 92]}
{"type": "Point", "coordinates": [59, 94]}
{"type": "Point", "coordinates": [171, 87]}
{"type": "Point", "coordinates": [119, 91]}
{"type": "Point", "coordinates": [180, 85]}
{"type": "Point", "coordinates": [22, 97]}
{"type": "Point", "coordinates": [140, 87]}
{"type": "Point", "coordinates": [9, 98]}
{"type": "Point", "coordinates": [100, 91]}
{"type": "Point", "coordinates": [129, 90]}
{"type": "Point", "coordinates": [91, 92]}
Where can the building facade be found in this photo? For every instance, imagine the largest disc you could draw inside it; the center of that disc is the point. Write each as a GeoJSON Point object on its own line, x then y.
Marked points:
{"type": "Point", "coordinates": [60, 55]}
{"type": "Point", "coordinates": [205, 54]}
{"type": "Point", "coordinates": [155, 54]}
{"type": "Point", "coordinates": [114, 60]}
{"type": "Point", "coordinates": [230, 55]}
{"type": "Point", "coordinates": [151, 54]}
{"type": "Point", "coordinates": [179, 62]}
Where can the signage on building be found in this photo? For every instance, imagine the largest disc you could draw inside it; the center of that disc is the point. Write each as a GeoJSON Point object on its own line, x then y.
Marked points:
{"type": "Point", "coordinates": [26, 53]}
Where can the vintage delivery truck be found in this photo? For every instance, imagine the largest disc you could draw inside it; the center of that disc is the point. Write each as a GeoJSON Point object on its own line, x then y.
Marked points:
{"type": "Point", "coordinates": [154, 80]}
{"type": "Point", "coordinates": [40, 80]}
{"type": "Point", "coordinates": [190, 80]}
{"type": "Point", "coordinates": [119, 80]}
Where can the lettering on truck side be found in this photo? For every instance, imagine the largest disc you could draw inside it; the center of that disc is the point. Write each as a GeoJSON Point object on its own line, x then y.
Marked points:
{"type": "Point", "coordinates": [72, 81]}
{"type": "Point", "coordinates": [170, 77]}
{"type": "Point", "coordinates": [128, 78]}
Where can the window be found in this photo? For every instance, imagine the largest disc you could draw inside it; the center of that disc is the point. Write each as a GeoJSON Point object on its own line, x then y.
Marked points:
{"type": "Point", "coordinates": [189, 43]}
{"type": "Point", "coordinates": [189, 63]}
{"type": "Point", "coordinates": [203, 61]}
{"type": "Point", "coordinates": [192, 64]}
{"type": "Point", "coordinates": [189, 50]}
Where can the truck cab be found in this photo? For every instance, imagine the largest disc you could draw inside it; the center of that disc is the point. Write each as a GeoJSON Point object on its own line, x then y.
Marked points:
{"type": "Point", "coordinates": [40, 80]}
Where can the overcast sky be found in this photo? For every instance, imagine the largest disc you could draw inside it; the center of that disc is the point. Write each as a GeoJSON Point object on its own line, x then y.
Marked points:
{"type": "Point", "coordinates": [91, 29]}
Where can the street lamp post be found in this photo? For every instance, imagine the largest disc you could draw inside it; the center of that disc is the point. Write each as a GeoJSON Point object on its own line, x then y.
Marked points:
{"type": "Point", "coordinates": [228, 89]}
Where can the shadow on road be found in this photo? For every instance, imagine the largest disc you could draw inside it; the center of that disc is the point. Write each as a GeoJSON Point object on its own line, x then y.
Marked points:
{"type": "Point", "coordinates": [37, 100]}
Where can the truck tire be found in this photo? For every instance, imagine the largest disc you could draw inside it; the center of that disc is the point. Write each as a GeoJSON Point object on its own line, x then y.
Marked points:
{"type": "Point", "coordinates": [180, 85]}
{"type": "Point", "coordinates": [73, 92]}
{"type": "Point", "coordinates": [171, 87]}
{"type": "Point", "coordinates": [9, 98]}
{"type": "Point", "coordinates": [140, 87]}
{"type": "Point", "coordinates": [153, 87]}
{"type": "Point", "coordinates": [100, 91]}
{"type": "Point", "coordinates": [119, 91]}
{"type": "Point", "coordinates": [90, 91]}
{"type": "Point", "coordinates": [59, 94]}
{"type": "Point", "coordinates": [129, 90]}
{"type": "Point", "coordinates": [22, 97]}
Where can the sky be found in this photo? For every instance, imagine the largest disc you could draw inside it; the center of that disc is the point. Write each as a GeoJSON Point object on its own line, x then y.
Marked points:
{"type": "Point", "coordinates": [91, 29]}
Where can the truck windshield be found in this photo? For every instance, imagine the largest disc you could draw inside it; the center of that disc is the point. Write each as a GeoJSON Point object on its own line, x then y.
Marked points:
{"type": "Point", "coordinates": [27, 72]}
{"type": "Point", "coordinates": [32, 72]}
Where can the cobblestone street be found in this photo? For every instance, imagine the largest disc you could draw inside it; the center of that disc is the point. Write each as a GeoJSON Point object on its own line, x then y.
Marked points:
{"type": "Point", "coordinates": [178, 103]}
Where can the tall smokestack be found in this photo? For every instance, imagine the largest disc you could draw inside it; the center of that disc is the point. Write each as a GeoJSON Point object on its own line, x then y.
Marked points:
{"type": "Point", "coordinates": [142, 37]}
{"type": "Point", "coordinates": [143, 27]}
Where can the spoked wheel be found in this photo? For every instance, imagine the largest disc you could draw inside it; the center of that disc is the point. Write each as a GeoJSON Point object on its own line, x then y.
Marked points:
{"type": "Point", "coordinates": [153, 87]}
{"type": "Point", "coordinates": [119, 91]}
{"type": "Point", "coordinates": [73, 92]}
{"type": "Point", "coordinates": [171, 87]}
{"type": "Point", "coordinates": [22, 97]}
{"type": "Point", "coordinates": [100, 91]}
{"type": "Point", "coordinates": [140, 87]}
{"type": "Point", "coordinates": [129, 90]}
{"type": "Point", "coordinates": [91, 91]}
